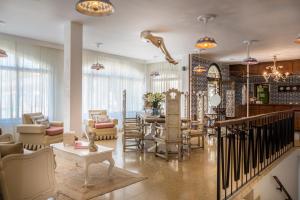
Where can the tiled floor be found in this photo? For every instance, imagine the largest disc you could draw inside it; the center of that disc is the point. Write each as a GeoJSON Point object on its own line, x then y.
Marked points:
{"type": "Point", "coordinates": [193, 178]}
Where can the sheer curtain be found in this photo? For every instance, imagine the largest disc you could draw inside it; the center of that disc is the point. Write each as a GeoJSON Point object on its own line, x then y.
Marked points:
{"type": "Point", "coordinates": [26, 81]}
{"type": "Point", "coordinates": [169, 76]}
{"type": "Point", "coordinates": [103, 89]}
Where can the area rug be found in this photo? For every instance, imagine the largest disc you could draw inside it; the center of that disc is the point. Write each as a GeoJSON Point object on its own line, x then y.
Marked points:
{"type": "Point", "coordinates": [70, 180]}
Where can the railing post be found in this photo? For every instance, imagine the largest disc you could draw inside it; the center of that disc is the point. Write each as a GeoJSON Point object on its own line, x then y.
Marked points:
{"type": "Point", "coordinates": [218, 163]}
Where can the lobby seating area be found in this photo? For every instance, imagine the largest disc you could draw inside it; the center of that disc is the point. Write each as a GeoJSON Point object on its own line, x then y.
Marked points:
{"type": "Point", "coordinates": [142, 100]}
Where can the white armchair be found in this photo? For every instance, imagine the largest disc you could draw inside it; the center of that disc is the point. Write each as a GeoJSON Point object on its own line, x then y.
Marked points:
{"type": "Point", "coordinates": [36, 136]}
{"type": "Point", "coordinates": [28, 176]}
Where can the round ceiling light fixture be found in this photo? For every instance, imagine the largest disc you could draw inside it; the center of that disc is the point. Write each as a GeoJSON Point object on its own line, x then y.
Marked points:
{"type": "Point", "coordinates": [297, 40]}
{"type": "Point", "coordinates": [206, 42]}
{"type": "Point", "coordinates": [95, 7]}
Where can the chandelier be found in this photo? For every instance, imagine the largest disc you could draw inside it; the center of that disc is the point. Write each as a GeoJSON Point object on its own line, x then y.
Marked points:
{"type": "Point", "coordinates": [274, 73]}
{"type": "Point", "coordinates": [95, 7]}
{"type": "Point", "coordinates": [206, 42]}
{"type": "Point", "coordinates": [154, 74]}
{"type": "Point", "coordinates": [199, 69]}
{"type": "Point", "coordinates": [98, 66]}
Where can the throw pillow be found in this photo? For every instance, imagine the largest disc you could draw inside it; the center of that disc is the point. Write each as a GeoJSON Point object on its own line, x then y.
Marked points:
{"type": "Point", "coordinates": [36, 117]}
{"type": "Point", "coordinates": [7, 149]}
{"type": "Point", "coordinates": [100, 118]}
{"type": "Point", "coordinates": [41, 120]}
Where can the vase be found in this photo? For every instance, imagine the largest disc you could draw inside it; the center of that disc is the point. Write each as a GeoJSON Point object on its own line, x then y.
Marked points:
{"type": "Point", "coordinates": [155, 111]}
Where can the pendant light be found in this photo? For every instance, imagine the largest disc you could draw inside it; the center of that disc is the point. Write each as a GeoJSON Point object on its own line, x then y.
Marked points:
{"type": "Point", "coordinates": [297, 40]}
{"type": "Point", "coordinates": [249, 61]}
{"type": "Point", "coordinates": [199, 69]}
{"type": "Point", "coordinates": [95, 7]}
{"type": "Point", "coordinates": [206, 42]}
{"type": "Point", "coordinates": [97, 66]}
{"type": "Point", "coordinates": [2, 52]}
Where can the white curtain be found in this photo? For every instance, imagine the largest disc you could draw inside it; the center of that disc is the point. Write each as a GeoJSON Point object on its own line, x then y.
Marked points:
{"type": "Point", "coordinates": [26, 81]}
{"type": "Point", "coordinates": [103, 89]}
{"type": "Point", "coordinates": [169, 76]}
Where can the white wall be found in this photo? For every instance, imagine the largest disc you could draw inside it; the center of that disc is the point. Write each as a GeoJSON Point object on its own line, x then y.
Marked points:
{"type": "Point", "coordinates": [287, 172]}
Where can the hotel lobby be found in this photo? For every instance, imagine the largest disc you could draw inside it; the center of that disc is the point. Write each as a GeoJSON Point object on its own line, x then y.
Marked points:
{"type": "Point", "coordinates": [140, 100]}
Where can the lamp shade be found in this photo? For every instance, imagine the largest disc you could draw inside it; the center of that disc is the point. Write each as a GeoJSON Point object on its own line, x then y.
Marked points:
{"type": "Point", "coordinates": [95, 7]}
{"type": "Point", "coordinates": [297, 41]}
{"type": "Point", "coordinates": [206, 43]}
{"type": "Point", "coordinates": [3, 53]}
{"type": "Point", "coordinates": [250, 61]}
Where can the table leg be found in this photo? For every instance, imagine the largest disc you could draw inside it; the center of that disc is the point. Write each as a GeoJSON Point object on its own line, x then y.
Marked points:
{"type": "Point", "coordinates": [111, 166]}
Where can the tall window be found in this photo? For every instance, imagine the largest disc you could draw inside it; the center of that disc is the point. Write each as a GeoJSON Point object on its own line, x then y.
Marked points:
{"type": "Point", "coordinates": [103, 89]}
{"type": "Point", "coordinates": [169, 77]}
{"type": "Point", "coordinates": [26, 83]}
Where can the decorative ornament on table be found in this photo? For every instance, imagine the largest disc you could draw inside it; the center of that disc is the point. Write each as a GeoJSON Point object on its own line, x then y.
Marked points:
{"type": "Point", "coordinates": [92, 146]}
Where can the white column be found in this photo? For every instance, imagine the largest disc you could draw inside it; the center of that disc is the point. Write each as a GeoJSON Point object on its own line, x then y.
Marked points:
{"type": "Point", "coordinates": [73, 77]}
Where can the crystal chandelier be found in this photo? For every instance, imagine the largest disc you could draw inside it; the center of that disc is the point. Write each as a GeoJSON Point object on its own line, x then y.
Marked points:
{"type": "Point", "coordinates": [206, 42]}
{"type": "Point", "coordinates": [274, 73]}
{"type": "Point", "coordinates": [95, 7]}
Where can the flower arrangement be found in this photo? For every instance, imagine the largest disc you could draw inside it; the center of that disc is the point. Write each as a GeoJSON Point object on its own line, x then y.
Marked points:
{"type": "Point", "coordinates": [153, 99]}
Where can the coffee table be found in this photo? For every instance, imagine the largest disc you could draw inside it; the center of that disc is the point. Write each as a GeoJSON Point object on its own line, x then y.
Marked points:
{"type": "Point", "coordinates": [85, 157]}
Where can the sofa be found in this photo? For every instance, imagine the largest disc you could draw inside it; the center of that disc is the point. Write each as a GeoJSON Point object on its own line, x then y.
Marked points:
{"type": "Point", "coordinates": [35, 136]}
{"type": "Point", "coordinates": [100, 124]}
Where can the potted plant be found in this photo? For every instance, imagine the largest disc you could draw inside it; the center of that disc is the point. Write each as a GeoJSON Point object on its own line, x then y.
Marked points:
{"type": "Point", "coordinates": [155, 100]}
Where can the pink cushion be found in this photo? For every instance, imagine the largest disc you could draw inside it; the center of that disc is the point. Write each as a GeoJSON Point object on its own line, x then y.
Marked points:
{"type": "Point", "coordinates": [54, 130]}
{"type": "Point", "coordinates": [104, 125]}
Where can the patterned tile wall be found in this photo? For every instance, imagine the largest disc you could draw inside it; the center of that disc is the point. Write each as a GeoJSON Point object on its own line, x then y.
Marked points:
{"type": "Point", "coordinates": [275, 96]}
{"type": "Point", "coordinates": [199, 82]}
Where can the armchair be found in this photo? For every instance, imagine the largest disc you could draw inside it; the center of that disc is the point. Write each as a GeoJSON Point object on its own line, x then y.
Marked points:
{"type": "Point", "coordinates": [36, 136]}
{"type": "Point", "coordinates": [28, 176]}
{"type": "Point", "coordinates": [105, 129]}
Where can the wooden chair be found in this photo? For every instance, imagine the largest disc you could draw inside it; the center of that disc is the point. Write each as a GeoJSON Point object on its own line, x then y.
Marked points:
{"type": "Point", "coordinates": [168, 138]}
{"type": "Point", "coordinates": [132, 130]}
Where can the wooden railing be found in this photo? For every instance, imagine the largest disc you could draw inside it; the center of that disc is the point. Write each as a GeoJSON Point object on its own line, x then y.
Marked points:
{"type": "Point", "coordinates": [246, 146]}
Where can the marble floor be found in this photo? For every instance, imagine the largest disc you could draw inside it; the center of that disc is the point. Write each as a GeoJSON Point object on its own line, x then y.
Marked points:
{"type": "Point", "coordinates": [193, 178]}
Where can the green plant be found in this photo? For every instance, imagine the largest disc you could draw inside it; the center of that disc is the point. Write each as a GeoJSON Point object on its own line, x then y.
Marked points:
{"type": "Point", "coordinates": [155, 99]}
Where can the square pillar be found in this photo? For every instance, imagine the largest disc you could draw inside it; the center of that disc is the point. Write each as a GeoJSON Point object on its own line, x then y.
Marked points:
{"type": "Point", "coordinates": [73, 77]}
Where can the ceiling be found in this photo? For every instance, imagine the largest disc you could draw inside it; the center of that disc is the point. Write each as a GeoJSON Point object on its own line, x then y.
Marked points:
{"type": "Point", "coordinates": [275, 23]}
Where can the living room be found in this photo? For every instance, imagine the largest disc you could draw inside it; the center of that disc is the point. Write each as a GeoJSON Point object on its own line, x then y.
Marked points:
{"type": "Point", "coordinates": [108, 99]}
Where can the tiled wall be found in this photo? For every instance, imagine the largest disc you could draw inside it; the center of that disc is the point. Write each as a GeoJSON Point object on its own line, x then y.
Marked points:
{"type": "Point", "coordinates": [275, 96]}
{"type": "Point", "coordinates": [199, 82]}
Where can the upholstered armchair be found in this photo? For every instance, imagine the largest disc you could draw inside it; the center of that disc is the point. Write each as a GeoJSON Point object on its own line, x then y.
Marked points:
{"type": "Point", "coordinates": [28, 175]}
{"type": "Point", "coordinates": [100, 124]}
{"type": "Point", "coordinates": [35, 136]}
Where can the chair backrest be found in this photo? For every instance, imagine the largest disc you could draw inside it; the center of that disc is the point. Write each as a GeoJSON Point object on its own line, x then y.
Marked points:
{"type": "Point", "coordinates": [27, 117]}
{"type": "Point", "coordinates": [28, 176]}
{"type": "Point", "coordinates": [96, 112]}
{"type": "Point", "coordinates": [173, 116]}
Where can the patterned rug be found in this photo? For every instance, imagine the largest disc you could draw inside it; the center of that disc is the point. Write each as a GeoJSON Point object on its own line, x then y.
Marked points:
{"type": "Point", "coordinates": [70, 180]}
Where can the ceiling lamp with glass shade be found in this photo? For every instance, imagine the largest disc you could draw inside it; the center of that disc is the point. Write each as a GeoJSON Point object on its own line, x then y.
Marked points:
{"type": "Point", "coordinates": [297, 40]}
{"type": "Point", "coordinates": [275, 73]}
{"type": "Point", "coordinates": [95, 7]}
{"type": "Point", "coordinates": [206, 42]}
{"type": "Point", "coordinates": [97, 66]}
{"type": "Point", "coordinates": [199, 69]}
